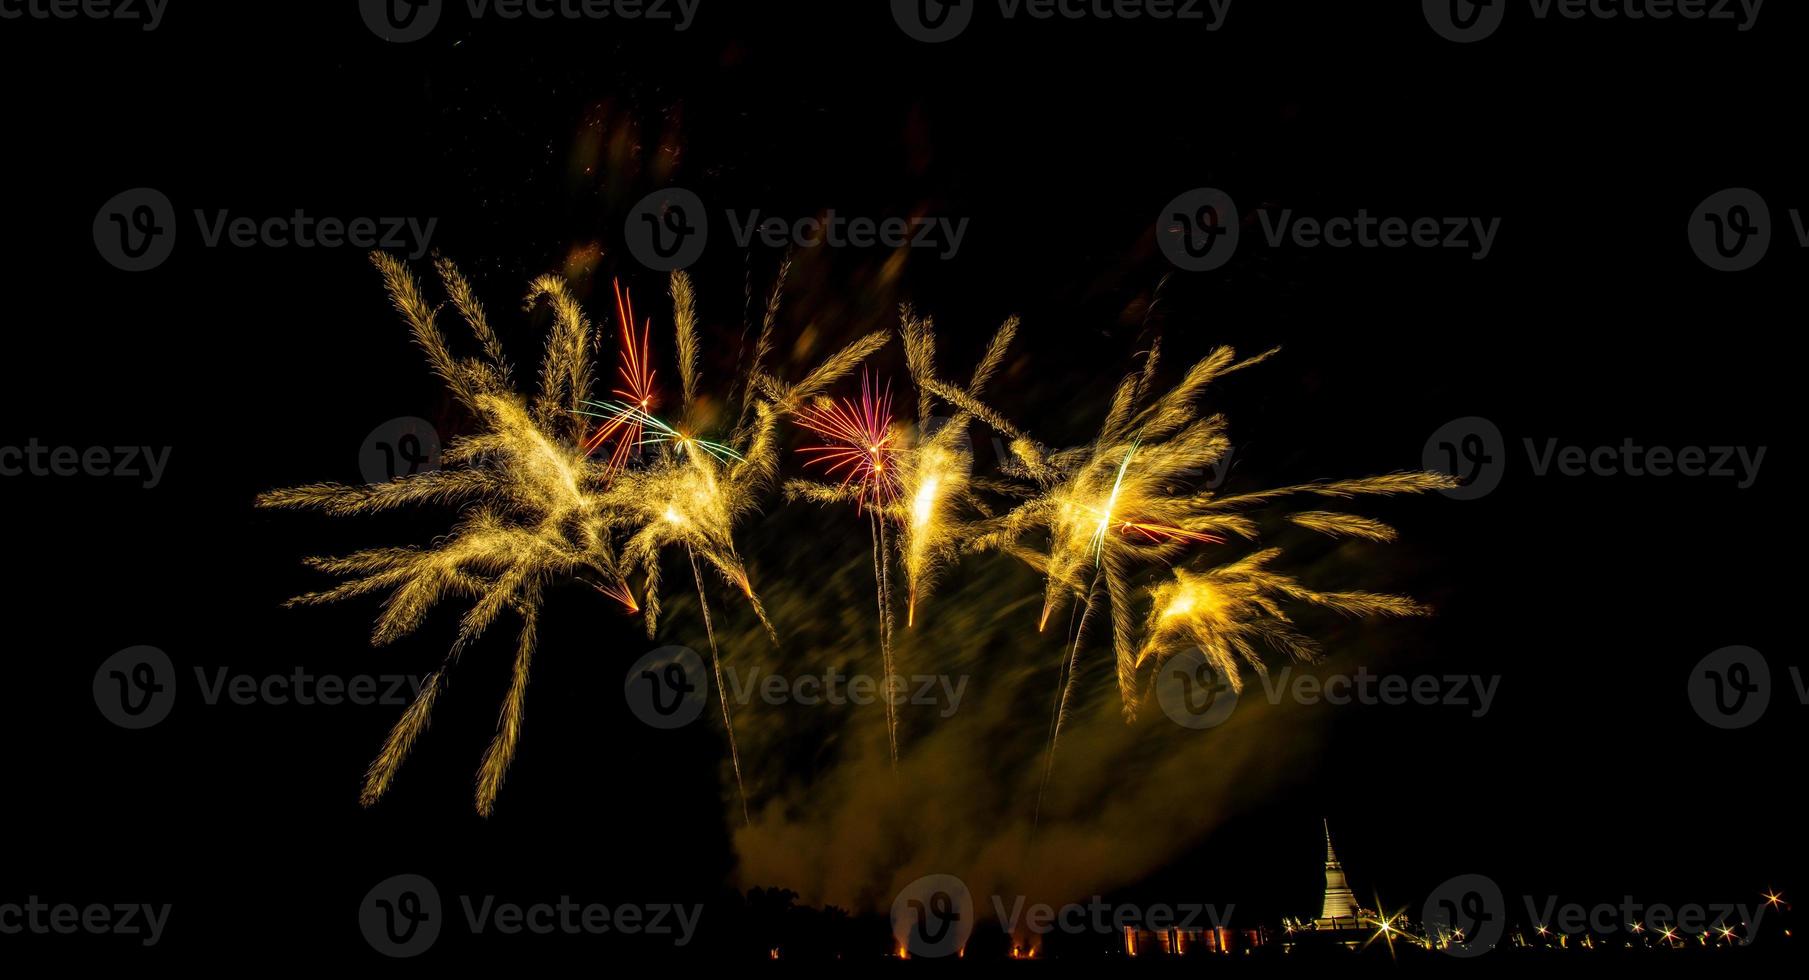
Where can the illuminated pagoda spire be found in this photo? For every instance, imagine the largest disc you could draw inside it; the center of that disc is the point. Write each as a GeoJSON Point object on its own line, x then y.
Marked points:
{"type": "Point", "coordinates": [1340, 901]}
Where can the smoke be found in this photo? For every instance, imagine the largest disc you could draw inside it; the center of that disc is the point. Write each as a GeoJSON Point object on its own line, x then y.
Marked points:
{"type": "Point", "coordinates": [834, 822]}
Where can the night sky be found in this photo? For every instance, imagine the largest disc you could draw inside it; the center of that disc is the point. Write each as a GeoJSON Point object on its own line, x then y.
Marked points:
{"type": "Point", "coordinates": [1586, 599]}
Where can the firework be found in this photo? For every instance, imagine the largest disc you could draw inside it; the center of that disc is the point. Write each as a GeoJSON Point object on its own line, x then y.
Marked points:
{"type": "Point", "coordinates": [938, 479]}
{"type": "Point", "coordinates": [915, 486]}
{"type": "Point", "coordinates": [531, 516]}
{"type": "Point", "coordinates": [636, 375]}
{"type": "Point", "coordinates": [861, 445]}
{"type": "Point", "coordinates": [1234, 611]}
{"type": "Point", "coordinates": [537, 508]}
{"type": "Point", "coordinates": [693, 490]}
{"type": "Point", "coordinates": [1122, 506]}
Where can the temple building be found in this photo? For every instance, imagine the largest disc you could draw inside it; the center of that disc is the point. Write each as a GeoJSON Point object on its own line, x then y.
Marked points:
{"type": "Point", "coordinates": [1341, 920]}
{"type": "Point", "coordinates": [1339, 910]}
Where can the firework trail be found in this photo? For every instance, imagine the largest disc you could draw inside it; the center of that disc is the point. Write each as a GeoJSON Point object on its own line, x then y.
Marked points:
{"type": "Point", "coordinates": [694, 490]}
{"type": "Point", "coordinates": [941, 472]}
{"type": "Point", "coordinates": [915, 484]}
{"type": "Point", "coordinates": [537, 508]}
{"type": "Point", "coordinates": [861, 445]}
{"type": "Point", "coordinates": [530, 514]}
{"type": "Point", "coordinates": [1120, 506]}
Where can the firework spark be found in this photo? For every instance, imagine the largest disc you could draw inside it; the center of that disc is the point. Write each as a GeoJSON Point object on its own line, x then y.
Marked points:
{"type": "Point", "coordinates": [858, 443]}
{"type": "Point", "coordinates": [636, 392]}
{"type": "Point", "coordinates": [538, 509]}
{"type": "Point", "coordinates": [694, 490]}
{"type": "Point", "coordinates": [861, 444]}
{"type": "Point", "coordinates": [914, 486]}
{"type": "Point", "coordinates": [531, 513]}
{"type": "Point", "coordinates": [938, 480]}
{"type": "Point", "coordinates": [1122, 506]}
